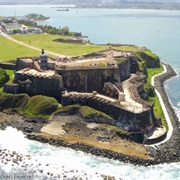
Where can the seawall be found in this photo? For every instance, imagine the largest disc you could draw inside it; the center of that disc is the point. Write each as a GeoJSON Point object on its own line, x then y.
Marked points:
{"type": "Point", "coordinates": [169, 151]}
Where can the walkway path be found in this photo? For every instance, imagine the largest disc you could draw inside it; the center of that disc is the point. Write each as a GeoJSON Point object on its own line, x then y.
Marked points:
{"type": "Point", "coordinates": [131, 105]}
{"type": "Point", "coordinates": [170, 131]}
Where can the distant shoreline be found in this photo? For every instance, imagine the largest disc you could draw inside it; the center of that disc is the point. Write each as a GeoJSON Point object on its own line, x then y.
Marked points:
{"type": "Point", "coordinates": [173, 6]}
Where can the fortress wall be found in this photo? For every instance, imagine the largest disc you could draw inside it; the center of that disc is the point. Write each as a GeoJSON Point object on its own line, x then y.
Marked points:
{"type": "Point", "coordinates": [22, 63]}
{"type": "Point", "coordinates": [88, 80]}
{"type": "Point", "coordinates": [123, 117]}
{"type": "Point", "coordinates": [124, 69]}
{"type": "Point", "coordinates": [100, 104]}
{"type": "Point", "coordinates": [52, 86]}
{"type": "Point", "coordinates": [144, 120]}
{"type": "Point", "coordinates": [7, 66]}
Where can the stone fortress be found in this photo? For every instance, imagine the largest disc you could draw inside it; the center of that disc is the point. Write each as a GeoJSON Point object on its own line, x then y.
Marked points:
{"type": "Point", "coordinates": [107, 80]}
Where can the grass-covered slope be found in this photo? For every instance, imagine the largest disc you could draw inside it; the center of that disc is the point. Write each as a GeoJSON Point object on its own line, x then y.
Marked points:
{"type": "Point", "coordinates": [4, 77]}
{"type": "Point", "coordinates": [154, 99]}
{"type": "Point", "coordinates": [147, 57]}
{"type": "Point", "coordinates": [13, 101]}
{"type": "Point", "coordinates": [89, 112]}
{"type": "Point", "coordinates": [41, 106]}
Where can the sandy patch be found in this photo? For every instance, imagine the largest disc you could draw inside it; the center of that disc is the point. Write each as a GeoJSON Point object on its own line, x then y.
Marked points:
{"type": "Point", "coordinates": [55, 126]}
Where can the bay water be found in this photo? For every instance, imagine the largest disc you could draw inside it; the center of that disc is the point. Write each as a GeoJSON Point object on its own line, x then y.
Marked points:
{"type": "Point", "coordinates": [158, 30]}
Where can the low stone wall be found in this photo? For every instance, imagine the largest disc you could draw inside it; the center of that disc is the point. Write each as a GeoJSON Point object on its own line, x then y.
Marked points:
{"type": "Point", "coordinates": [134, 121]}
{"type": "Point", "coordinates": [7, 66]}
{"type": "Point", "coordinates": [49, 86]}
{"type": "Point", "coordinates": [72, 41]}
{"type": "Point", "coordinates": [159, 85]}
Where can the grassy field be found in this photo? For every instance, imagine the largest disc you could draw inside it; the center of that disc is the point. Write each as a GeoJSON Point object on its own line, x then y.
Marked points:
{"type": "Point", "coordinates": [46, 41]}
{"type": "Point", "coordinates": [10, 50]}
{"type": "Point", "coordinates": [152, 72]}
{"type": "Point", "coordinates": [158, 110]}
{"type": "Point", "coordinates": [127, 48]}
{"type": "Point", "coordinates": [157, 106]}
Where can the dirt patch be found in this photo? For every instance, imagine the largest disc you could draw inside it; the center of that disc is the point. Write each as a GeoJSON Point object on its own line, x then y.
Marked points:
{"type": "Point", "coordinates": [4, 117]}
{"type": "Point", "coordinates": [72, 129]}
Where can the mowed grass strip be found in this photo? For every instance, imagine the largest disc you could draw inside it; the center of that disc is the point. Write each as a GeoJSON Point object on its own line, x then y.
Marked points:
{"type": "Point", "coordinates": [46, 41]}
{"type": "Point", "coordinates": [10, 50]}
{"type": "Point", "coordinates": [152, 72]}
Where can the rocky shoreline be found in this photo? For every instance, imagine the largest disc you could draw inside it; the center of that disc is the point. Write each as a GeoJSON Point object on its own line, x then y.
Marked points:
{"type": "Point", "coordinates": [168, 152]}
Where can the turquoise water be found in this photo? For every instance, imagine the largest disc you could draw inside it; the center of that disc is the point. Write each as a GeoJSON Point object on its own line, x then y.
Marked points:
{"type": "Point", "coordinates": [157, 30]}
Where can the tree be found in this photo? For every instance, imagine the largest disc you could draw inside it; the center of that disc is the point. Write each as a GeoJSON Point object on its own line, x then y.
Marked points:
{"type": "Point", "coordinates": [16, 31]}
{"type": "Point", "coordinates": [65, 30]}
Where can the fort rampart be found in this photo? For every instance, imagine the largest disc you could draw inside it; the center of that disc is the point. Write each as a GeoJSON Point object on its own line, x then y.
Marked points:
{"type": "Point", "coordinates": [130, 121]}
{"type": "Point", "coordinates": [49, 86]}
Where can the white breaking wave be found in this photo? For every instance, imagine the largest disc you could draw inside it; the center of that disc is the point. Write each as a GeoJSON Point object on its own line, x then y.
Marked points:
{"type": "Point", "coordinates": [42, 161]}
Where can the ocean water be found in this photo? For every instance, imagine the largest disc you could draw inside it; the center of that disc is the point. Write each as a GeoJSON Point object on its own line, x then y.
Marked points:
{"type": "Point", "coordinates": [64, 163]}
{"type": "Point", "coordinates": [158, 30]}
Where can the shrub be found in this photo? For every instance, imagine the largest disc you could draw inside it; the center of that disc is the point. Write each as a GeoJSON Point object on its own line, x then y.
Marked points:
{"type": "Point", "coordinates": [149, 89]}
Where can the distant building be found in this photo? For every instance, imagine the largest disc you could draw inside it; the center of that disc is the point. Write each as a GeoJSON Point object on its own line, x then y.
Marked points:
{"type": "Point", "coordinates": [35, 31]}
{"type": "Point", "coordinates": [10, 27]}
{"type": "Point", "coordinates": [38, 31]}
{"type": "Point", "coordinates": [9, 31]}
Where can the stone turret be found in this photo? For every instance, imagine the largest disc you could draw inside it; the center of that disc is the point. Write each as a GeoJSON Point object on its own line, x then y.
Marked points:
{"type": "Point", "coordinates": [43, 60]}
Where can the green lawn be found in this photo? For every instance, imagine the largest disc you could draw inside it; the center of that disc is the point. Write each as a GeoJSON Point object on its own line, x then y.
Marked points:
{"type": "Point", "coordinates": [152, 72]}
{"type": "Point", "coordinates": [10, 50]}
{"type": "Point", "coordinates": [46, 41]}
{"type": "Point", "coordinates": [157, 106]}
{"type": "Point", "coordinates": [127, 48]}
{"type": "Point", "coordinates": [158, 110]}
